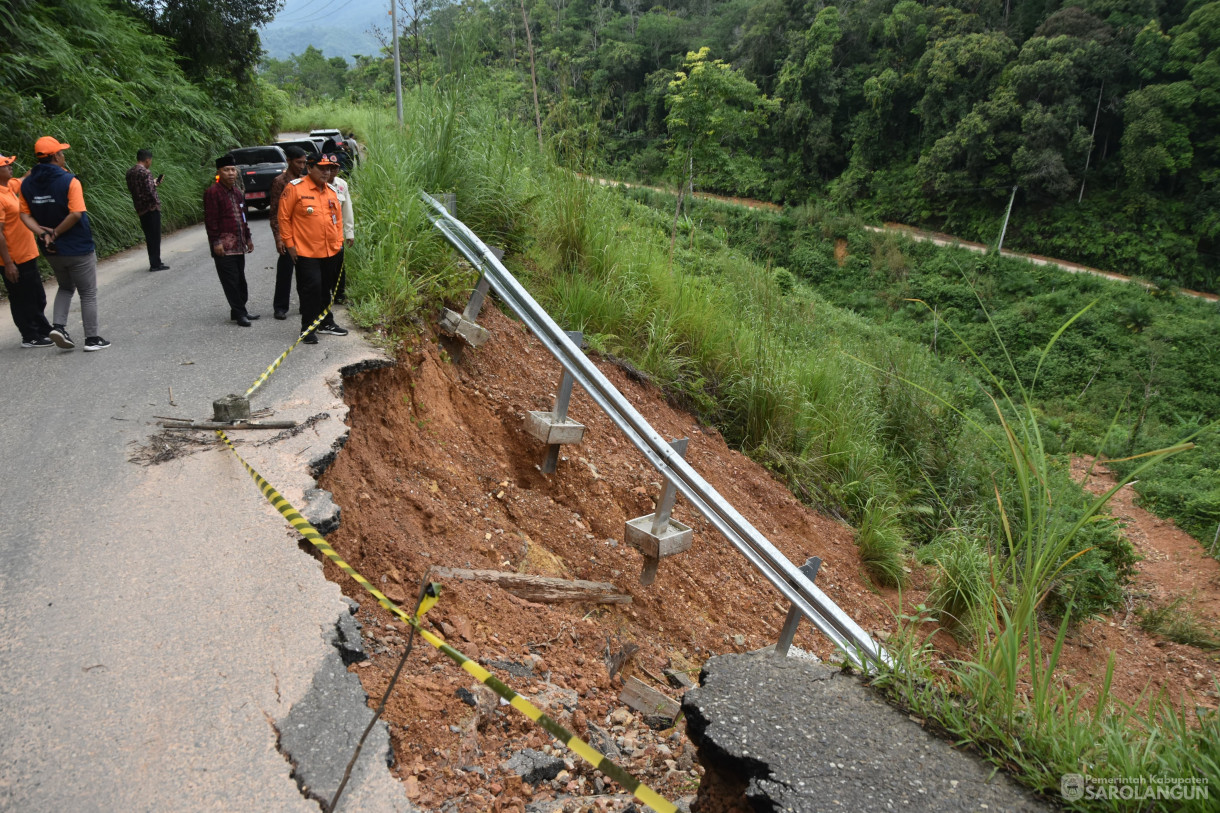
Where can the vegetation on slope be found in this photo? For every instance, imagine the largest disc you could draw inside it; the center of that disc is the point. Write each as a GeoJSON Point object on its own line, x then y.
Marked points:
{"type": "Point", "coordinates": [860, 421]}
{"type": "Point", "coordinates": [95, 77]}
{"type": "Point", "coordinates": [1099, 114]}
{"type": "Point", "coordinates": [1135, 373]}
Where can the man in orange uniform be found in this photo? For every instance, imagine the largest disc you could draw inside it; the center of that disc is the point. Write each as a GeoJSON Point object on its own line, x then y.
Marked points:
{"type": "Point", "coordinates": [311, 227]}
{"type": "Point", "coordinates": [53, 207]}
{"type": "Point", "coordinates": [27, 300]}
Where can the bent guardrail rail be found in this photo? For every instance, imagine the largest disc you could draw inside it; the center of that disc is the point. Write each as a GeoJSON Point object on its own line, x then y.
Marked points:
{"type": "Point", "coordinates": [823, 613]}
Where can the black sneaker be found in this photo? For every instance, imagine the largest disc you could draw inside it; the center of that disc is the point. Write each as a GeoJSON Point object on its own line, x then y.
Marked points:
{"type": "Point", "coordinates": [332, 330]}
{"type": "Point", "coordinates": [159, 267]}
{"type": "Point", "coordinates": [95, 343]}
{"type": "Point", "coordinates": [312, 338]}
{"type": "Point", "coordinates": [38, 341]}
{"type": "Point", "coordinates": [59, 335]}
{"type": "Point", "coordinates": [281, 315]}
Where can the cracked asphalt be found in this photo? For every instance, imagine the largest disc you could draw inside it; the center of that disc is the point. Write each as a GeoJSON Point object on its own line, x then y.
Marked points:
{"type": "Point", "coordinates": [159, 624]}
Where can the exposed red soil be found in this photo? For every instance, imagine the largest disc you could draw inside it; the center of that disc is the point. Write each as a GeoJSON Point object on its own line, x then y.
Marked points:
{"type": "Point", "coordinates": [1173, 566]}
{"type": "Point", "coordinates": [439, 472]}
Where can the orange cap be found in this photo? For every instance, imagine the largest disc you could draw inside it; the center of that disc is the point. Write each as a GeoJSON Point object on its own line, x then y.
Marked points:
{"type": "Point", "coordinates": [48, 145]}
{"type": "Point", "coordinates": [7, 162]}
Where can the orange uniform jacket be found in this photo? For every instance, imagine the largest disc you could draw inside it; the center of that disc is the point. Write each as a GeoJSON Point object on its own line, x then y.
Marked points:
{"type": "Point", "coordinates": [22, 246]}
{"type": "Point", "coordinates": [311, 219]}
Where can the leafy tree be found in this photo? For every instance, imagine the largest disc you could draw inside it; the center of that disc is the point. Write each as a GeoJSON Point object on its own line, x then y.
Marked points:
{"type": "Point", "coordinates": [810, 83]}
{"type": "Point", "coordinates": [211, 36]}
{"type": "Point", "coordinates": [712, 109]}
{"type": "Point", "coordinates": [309, 76]}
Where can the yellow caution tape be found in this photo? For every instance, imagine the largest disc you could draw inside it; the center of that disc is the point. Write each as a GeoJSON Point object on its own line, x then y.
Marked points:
{"type": "Point", "coordinates": [578, 746]}
{"type": "Point", "coordinates": [275, 365]}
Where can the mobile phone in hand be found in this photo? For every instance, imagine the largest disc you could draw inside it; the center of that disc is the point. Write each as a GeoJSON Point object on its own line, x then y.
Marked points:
{"type": "Point", "coordinates": [161, 177]}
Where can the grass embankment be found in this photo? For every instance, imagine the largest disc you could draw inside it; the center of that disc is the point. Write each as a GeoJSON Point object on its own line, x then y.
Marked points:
{"type": "Point", "coordinates": [909, 449]}
{"type": "Point", "coordinates": [1135, 373]}
{"type": "Point", "coordinates": [97, 79]}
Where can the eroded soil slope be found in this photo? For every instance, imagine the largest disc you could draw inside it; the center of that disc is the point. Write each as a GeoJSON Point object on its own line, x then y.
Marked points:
{"type": "Point", "coordinates": [439, 472]}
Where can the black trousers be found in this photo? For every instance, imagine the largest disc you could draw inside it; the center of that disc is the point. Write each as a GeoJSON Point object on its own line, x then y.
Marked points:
{"type": "Point", "coordinates": [316, 277]}
{"type": "Point", "coordinates": [232, 272]}
{"type": "Point", "coordinates": [282, 298]}
{"type": "Point", "coordinates": [151, 223]}
{"type": "Point", "coordinates": [27, 301]}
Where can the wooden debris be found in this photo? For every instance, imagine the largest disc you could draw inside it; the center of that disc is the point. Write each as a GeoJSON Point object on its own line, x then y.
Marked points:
{"type": "Point", "coordinates": [542, 589]}
{"type": "Point", "coordinates": [237, 425]}
{"type": "Point", "coordinates": [643, 698]}
{"type": "Point", "coordinates": [616, 661]}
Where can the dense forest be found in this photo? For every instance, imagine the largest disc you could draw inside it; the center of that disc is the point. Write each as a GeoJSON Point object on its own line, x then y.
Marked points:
{"type": "Point", "coordinates": [1101, 114]}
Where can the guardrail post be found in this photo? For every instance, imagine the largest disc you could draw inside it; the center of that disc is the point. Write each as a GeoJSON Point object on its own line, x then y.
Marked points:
{"type": "Point", "coordinates": [810, 569]}
{"type": "Point", "coordinates": [553, 428]}
{"type": "Point", "coordinates": [464, 325]}
{"type": "Point", "coordinates": [658, 535]}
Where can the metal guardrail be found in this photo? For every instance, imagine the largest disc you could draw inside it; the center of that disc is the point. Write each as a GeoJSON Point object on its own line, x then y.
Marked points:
{"type": "Point", "coordinates": [823, 613]}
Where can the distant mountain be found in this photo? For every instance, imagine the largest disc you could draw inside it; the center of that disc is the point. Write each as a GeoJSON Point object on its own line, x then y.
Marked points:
{"type": "Point", "coordinates": [336, 27]}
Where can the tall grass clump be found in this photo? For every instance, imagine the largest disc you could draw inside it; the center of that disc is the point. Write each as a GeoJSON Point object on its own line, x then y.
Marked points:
{"type": "Point", "coordinates": [1005, 696]}
{"type": "Point", "coordinates": [97, 79]}
{"type": "Point", "coordinates": [399, 267]}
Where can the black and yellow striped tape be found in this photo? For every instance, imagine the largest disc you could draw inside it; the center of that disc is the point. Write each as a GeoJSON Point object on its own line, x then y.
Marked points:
{"type": "Point", "coordinates": [275, 365]}
{"type": "Point", "coordinates": [578, 746]}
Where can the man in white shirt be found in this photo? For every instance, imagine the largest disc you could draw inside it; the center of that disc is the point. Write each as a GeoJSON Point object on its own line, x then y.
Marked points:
{"type": "Point", "coordinates": [349, 223]}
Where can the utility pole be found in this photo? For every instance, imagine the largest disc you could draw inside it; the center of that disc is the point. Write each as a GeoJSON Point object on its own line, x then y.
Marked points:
{"type": "Point", "coordinates": [397, 60]}
{"type": "Point", "coordinates": [1092, 139]}
{"type": "Point", "coordinates": [529, 38]}
{"type": "Point", "coordinates": [999, 246]}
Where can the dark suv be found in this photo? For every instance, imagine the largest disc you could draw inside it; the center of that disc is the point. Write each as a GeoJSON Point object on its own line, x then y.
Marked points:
{"type": "Point", "coordinates": [257, 167]}
{"type": "Point", "coordinates": [308, 144]}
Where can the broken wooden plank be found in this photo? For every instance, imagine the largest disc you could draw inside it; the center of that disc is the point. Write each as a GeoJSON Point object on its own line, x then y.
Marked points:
{"type": "Point", "coordinates": [643, 698]}
{"type": "Point", "coordinates": [542, 589]}
{"type": "Point", "coordinates": [238, 425]}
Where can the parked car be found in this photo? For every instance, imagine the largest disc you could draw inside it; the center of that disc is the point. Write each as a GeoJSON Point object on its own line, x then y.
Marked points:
{"type": "Point", "coordinates": [349, 157]}
{"type": "Point", "coordinates": [310, 146]}
{"type": "Point", "coordinates": [325, 134]}
{"type": "Point", "coordinates": [257, 167]}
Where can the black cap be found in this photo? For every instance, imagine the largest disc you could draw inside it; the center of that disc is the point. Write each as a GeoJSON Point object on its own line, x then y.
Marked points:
{"type": "Point", "coordinates": [226, 160]}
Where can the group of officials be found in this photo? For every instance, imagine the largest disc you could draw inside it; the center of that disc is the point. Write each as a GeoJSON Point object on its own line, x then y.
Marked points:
{"type": "Point", "coordinates": [311, 221]}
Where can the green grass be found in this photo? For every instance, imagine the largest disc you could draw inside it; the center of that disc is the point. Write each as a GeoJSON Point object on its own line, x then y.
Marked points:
{"type": "Point", "coordinates": [1149, 351]}
{"type": "Point", "coordinates": [1175, 622]}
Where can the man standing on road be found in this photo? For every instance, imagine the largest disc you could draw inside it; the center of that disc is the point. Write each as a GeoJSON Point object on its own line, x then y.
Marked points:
{"type": "Point", "coordinates": [53, 207]}
{"type": "Point", "coordinates": [224, 218]}
{"type": "Point", "coordinates": [27, 301]}
{"type": "Point", "coordinates": [283, 266]}
{"type": "Point", "coordinates": [143, 188]}
{"type": "Point", "coordinates": [349, 224]}
{"type": "Point", "coordinates": [311, 226]}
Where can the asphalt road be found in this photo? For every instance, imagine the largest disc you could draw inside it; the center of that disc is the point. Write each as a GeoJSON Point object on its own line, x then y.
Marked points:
{"type": "Point", "coordinates": [157, 624]}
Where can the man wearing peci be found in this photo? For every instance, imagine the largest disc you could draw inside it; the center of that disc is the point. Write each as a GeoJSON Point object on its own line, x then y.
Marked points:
{"type": "Point", "coordinates": [224, 218]}
{"type": "Point", "coordinates": [143, 188]}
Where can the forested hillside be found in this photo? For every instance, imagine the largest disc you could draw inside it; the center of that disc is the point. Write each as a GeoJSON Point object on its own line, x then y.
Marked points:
{"type": "Point", "coordinates": [1102, 113]}
{"type": "Point", "coordinates": [111, 77]}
